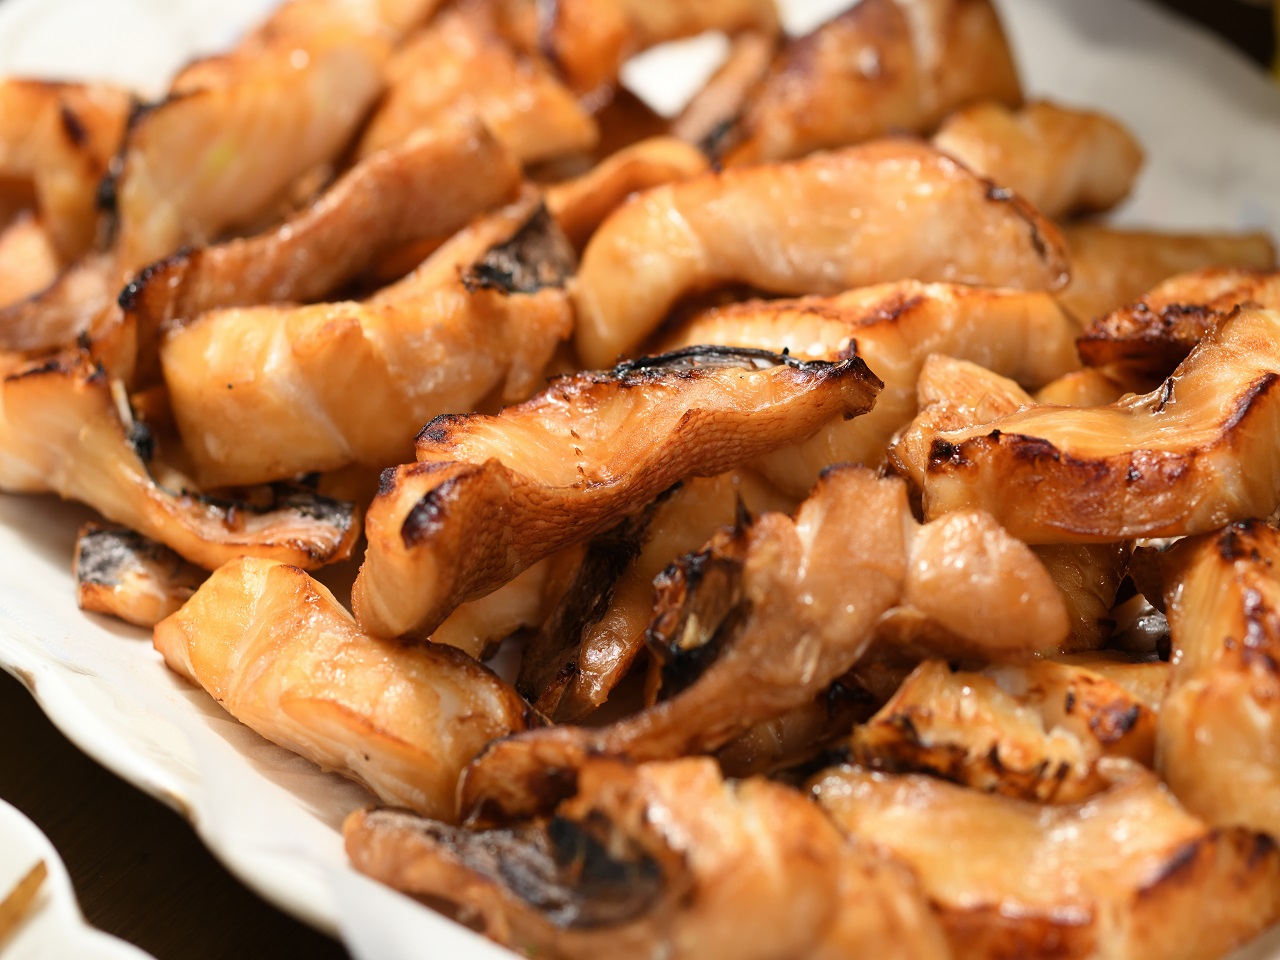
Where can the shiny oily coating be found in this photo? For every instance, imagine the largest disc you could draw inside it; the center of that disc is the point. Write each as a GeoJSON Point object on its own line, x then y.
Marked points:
{"type": "Point", "coordinates": [490, 496]}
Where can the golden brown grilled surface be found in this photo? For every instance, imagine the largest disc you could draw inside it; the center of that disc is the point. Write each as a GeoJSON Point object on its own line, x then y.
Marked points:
{"type": "Point", "coordinates": [590, 641]}
{"type": "Point", "coordinates": [1061, 160]}
{"type": "Point", "coordinates": [1089, 387]}
{"type": "Point", "coordinates": [123, 574]}
{"type": "Point", "coordinates": [664, 859]}
{"type": "Point", "coordinates": [28, 261]}
{"type": "Point", "coordinates": [65, 428]}
{"type": "Point", "coordinates": [1110, 268]}
{"type": "Point", "coordinates": [882, 66]}
{"type": "Point", "coordinates": [884, 211]}
{"type": "Point", "coordinates": [1128, 873]}
{"type": "Point", "coordinates": [60, 138]}
{"type": "Point", "coordinates": [1149, 338]}
{"type": "Point", "coordinates": [236, 130]}
{"type": "Point", "coordinates": [265, 393]}
{"type": "Point", "coordinates": [55, 315]}
{"type": "Point", "coordinates": [1197, 452]}
{"type": "Point", "coordinates": [1220, 725]}
{"type": "Point", "coordinates": [492, 495]}
{"type": "Point", "coordinates": [1089, 576]}
{"type": "Point", "coordinates": [280, 654]}
{"type": "Point", "coordinates": [459, 70]}
{"type": "Point", "coordinates": [1034, 731]}
{"type": "Point", "coordinates": [893, 327]}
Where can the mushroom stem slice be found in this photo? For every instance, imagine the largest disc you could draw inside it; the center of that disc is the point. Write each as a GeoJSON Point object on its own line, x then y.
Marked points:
{"type": "Point", "coordinates": [123, 574]}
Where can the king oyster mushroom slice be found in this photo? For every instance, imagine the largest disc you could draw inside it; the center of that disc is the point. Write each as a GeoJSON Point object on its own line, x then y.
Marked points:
{"type": "Point", "coordinates": [28, 261]}
{"type": "Point", "coordinates": [121, 573]}
{"type": "Point", "coordinates": [1110, 267]}
{"type": "Point", "coordinates": [661, 859]}
{"type": "Point", "coordinates": [1127, 873]}
{"type": "Point", "coordinates": [66, 428]}
{"type": "Point", "coordinates": [819, 225]}
{"type": "Point", "coordinates": [1149, 338]}
{"type": "Point", "coordinates": [261, 393]}
{"type": "Point", "coordinates": [1061, 160]}
{"type": "Point", "coordinates": [767, 616]}
{"type": "Point", "coordinates": [893, 327]}
{"type": "Point", "coordinates": [55, 315]}
{"type": "Point", "coordinates": [491, 496]}
{"type": "Point", "coordinates": [1090, 387]}
{"type": "Point", "coordinates": [281, 655]}
{"type": "Point", "coordinates": [1034, 731]}
{"type": "Point", "coordinates": [590, 641]}
{"type": "Point", "coordinates": [1193, 454]}
{"type": "Point", "coordinates": [1220, 725]}
{"type": "Point", "coordinates": [713, 115]}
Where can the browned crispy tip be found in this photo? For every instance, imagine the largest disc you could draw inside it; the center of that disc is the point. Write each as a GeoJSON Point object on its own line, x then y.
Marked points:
{"type": "Point", "coordinates": [53, 317]}
{"type": "Point", "coordinates": [881, 66]}
{"type": "Point", "coordinates": [1110, 267]}
{"type": "Point", "coordinates": [281, 655]}
{"type": "Point", "coordinates": [493, 495]}
{"type": "Point", "coordinates": [702, 233]}
{"type": "Point", "coordinates": [1194, 454]}
{"type": "Point", "coordinates": [1034, 731]}
{"type": "Point", "coordinates": [1149, 338]}
{"type": "Point", "coordinates": [67, 429]}
{"type": "Point", "coordinates": [123, 574]}
{"type": "Point", "coordinates": [1126, 873]}
{"type": "Point", "coordinates": [1220, 724]}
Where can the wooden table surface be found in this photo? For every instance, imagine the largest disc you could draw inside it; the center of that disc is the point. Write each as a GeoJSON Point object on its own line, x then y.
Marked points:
{"type": "Point", "coordinates": [140, 871]}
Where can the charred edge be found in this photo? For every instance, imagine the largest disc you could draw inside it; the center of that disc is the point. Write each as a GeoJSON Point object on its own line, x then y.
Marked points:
{"type": "Point", "coordinates": [52, 365]}
{"type": "Point", "coordinates": [136, 288]}
{"type": "Point", "coordinates": [1257, 390]}
{"type": "Point", "coordinates": [105, 554]}
{"type": "Point", "coordinates": [107, 198]}
{"type": "Point", "coordinates": [386, 481]}
{"type": "Point", "coordinates": [709, 357]}
{"type": "Point", "coordinates": [73, 126]}
{"type": "Point", "coordinates": [537, 256]}
{"type": "Point", "coordinates": [439, 428]}
{"type": "Point", "coordinates": [1261, 849]}
{"type": "Point", "coordinates": [1236, 541]}
{"type": "Point", "coordinates": [428, 515]}
{"type": "Point", "coordinates": [611, 880]}
{"type": "Point", "coordinates": [1166, 395]}
{"type": "Point", "coordinates": [945, 453]}
{"type": "Point", "coordinates": [1181, 861]}
{"type": "Point", "coordinates": [284, 498]}
{"type": "Point", "coordinates": [1111, 725]}
{"type": "Point", "coordinates": [1024, 210]}
{"type": "Point", "coordinates": [721, 138]}
{"type": "Point", "coordinates": [142, 440]}
{"type": "Point", "coordinates": [1031, 449]}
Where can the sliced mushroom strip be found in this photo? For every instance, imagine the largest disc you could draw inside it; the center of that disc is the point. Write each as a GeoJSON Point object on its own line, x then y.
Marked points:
{"type": "Point", "coordinates": [1089, 576]}
{"type": "Point", "coordinates": [282, 656]}
{"type": "Point", "coordinates": [459, 70]}
{"type": "Point", "coordinates": [590, 641]}
{"type": "Point", "coordinates": [893, 327]}
{"type": "Point", "coordinates": [491, 496]}
{"type": "Point", "coordinates": [1035, 731]}
{"type": "Point", "coordinates": [60, 138]}
{"type": "Point", "coordinates": [660, 860]}
{"type": "Point", "coordinates": [1127, 873]}
{"type": "Point", "coordinates": [885, 211]}
{"type": "Point", "coordinates": [1151, 337]}
{"type": "Point", "coordinates": [1110, 268]}
{"type": "Point", "coordinates": [1220, 725]}
{"type": "Point", "coordinates": [1062, 161]}
{"type": "Point", "coordinates": [713, 115]}
{"type": "Point", "coordinates": [54, 316]}
{"type": "Point", "coordinates": [65, 428]}
{"type": "Point", "coordinates": [236, 130]}
{"type": "Point", "coordinates": [1089, 387]}
{"type": "Point", "coordinates": [28, 261]}
{"type": "Point", "coordinates": [881, 66]}
{"type": "Point", "coordinates": [123, 574]}
{"type": "Point", "coordinates": [1197, 452]}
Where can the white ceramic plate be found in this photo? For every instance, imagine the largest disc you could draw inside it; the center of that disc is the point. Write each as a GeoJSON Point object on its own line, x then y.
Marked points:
{"type": "Point", "coordinates": [1211, 124]}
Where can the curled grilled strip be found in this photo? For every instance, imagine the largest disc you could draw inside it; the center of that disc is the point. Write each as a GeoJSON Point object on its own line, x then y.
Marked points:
{"type": "Point", "coordinates": [1188, 457]}
{"type": "Point", "coordinates": [885, 211]}
{"type": "Point", "coordinates": [280, 654]}
{"type": "Point", "coordinates": [881, 66]}
{"type": "Point", "coordinates": [1220, 725]}
{"type": "Point", "coordinates": [65, 428]}
{"type": "Point", "coordinates": [1063, 161]}
{"type": "Point", "coordinates": [1127, 873]}
{"type": "Point", "coordinates": [123, 574]}
{"type": "Point", "coordinates": [663, 859]}
{"type": "Point", "coordinates": [893, 327]}
{"type": "Point", "coordinates": [492, 495]}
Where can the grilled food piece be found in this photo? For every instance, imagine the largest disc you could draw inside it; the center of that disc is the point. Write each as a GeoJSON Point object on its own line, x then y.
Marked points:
{"type": "Point", "coordinates": [1062, 161]}
{"type": "Point", "coordinates": [263, 393]}
{"type": "Point", "coordinates": [885, 211]}
{"type": "Point", "coordinates": [1033, 731]}
{"type": "Point", "coordinates": [1193, 454]}
{"type": "Point", "coordinates": [1090, 387]}
{"type": "Point", "coordinates": [66, 428]}
{"type": "Point", "coordinates": [662, 859]}
{"type": "Point", "coordinates": [893, 327]}
{"type": "Point", "coordinates": [1149, 338]}
{"type": "Point", "coordinates": [1220, 725]}
{"type": "Point", "coordinates": [491, 496]}
{"type": "Point", "coordinates": [713, 115]}
{"type": "Point", "coordinates": [1110, 268]}
{"type": "Point", "coordinates": [282, 656]}
{"type": "Point", "coordinates": [1089, 576]}
{"type": "Point", "coordinates": [123, 574]}
{"type": "Point", "coordinates": [881, 66]}
{"type": "Point", "coordinates": [28, 261]}
{"type": "Point", "coordinates": [1127, 873]}
{"type": "Point", "coordinates": [54, 316]}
